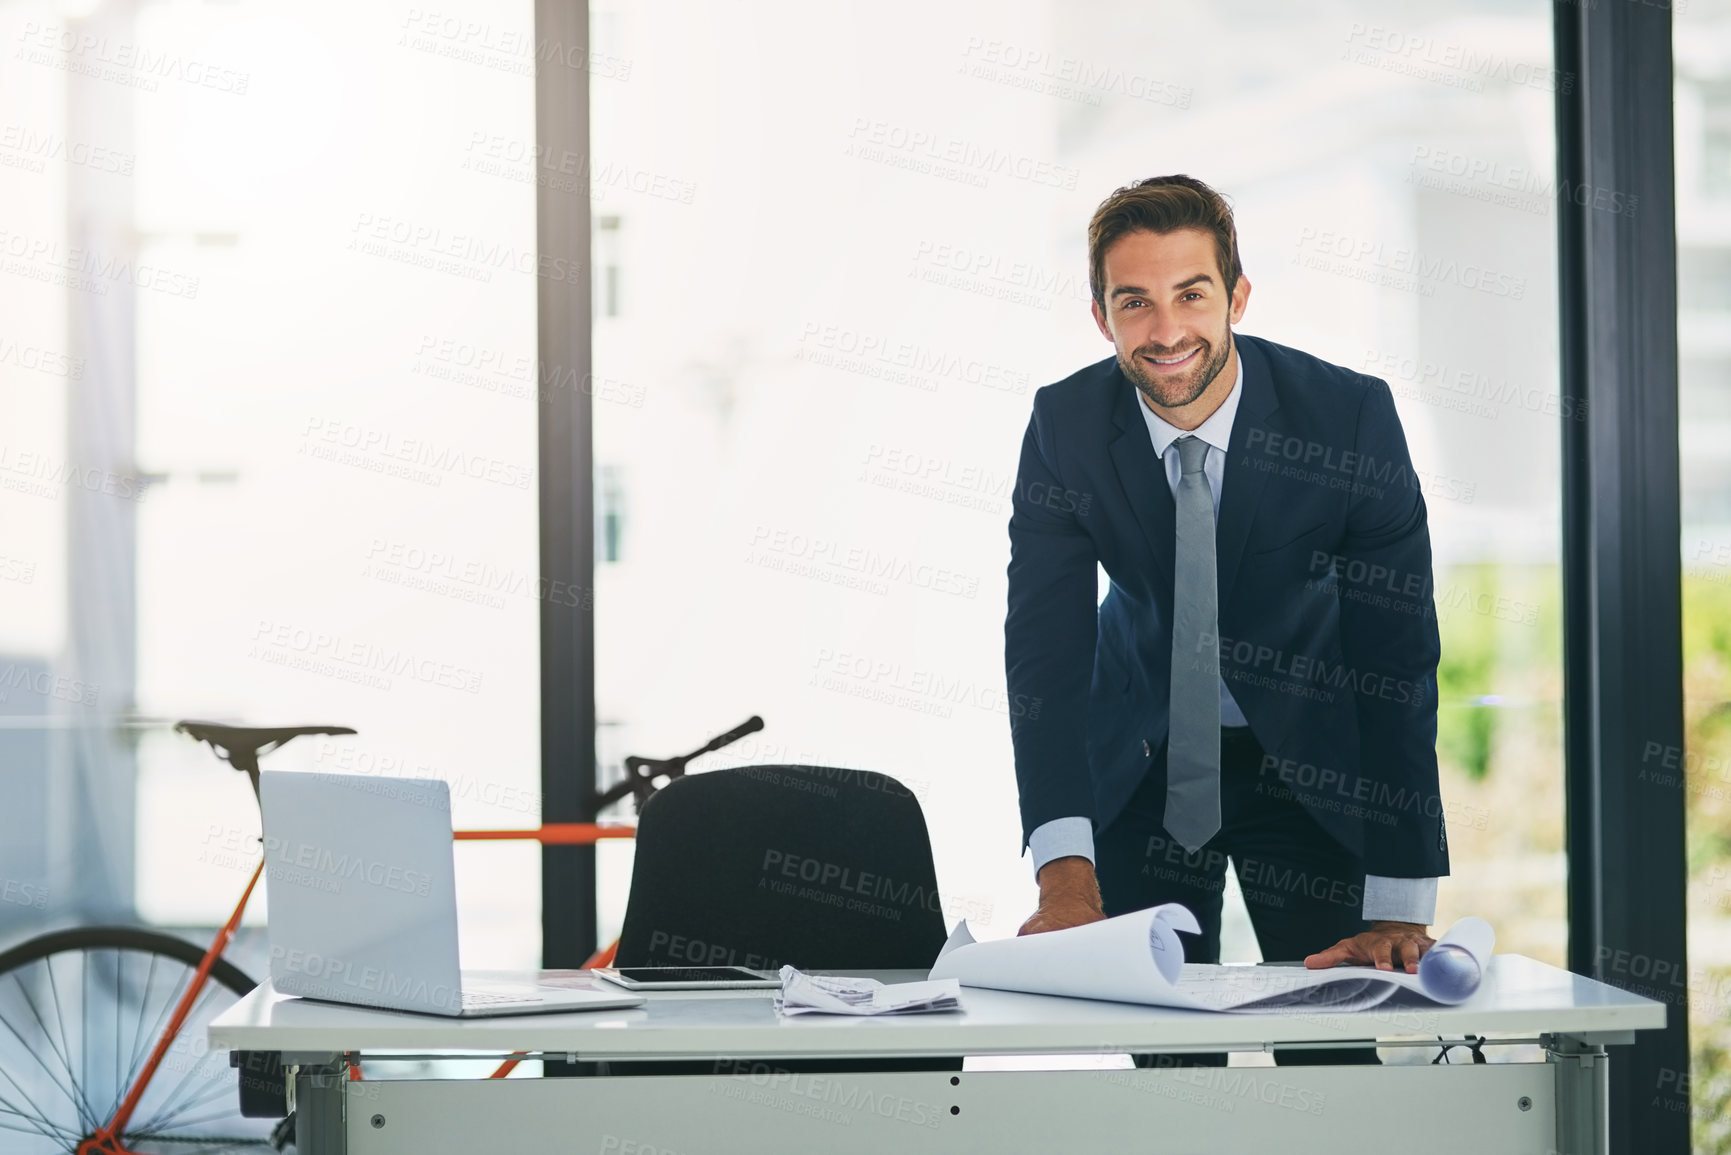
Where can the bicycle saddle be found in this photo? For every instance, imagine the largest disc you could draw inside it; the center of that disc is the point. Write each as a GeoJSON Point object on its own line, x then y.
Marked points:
{"type": "Point", "coordinates": [240, 746]}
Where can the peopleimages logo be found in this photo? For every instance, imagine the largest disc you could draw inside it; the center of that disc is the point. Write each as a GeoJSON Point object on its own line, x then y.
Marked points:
{"type": "Point", "coordinates": [833, 1099]}
{"type": "Point", "coordinates": [849, 888]}
{"type": "Point", "coordinates": [330, 869]}
{"type": "Point", "coordinates": [318, 976]}
{"type": "Point", "coordinates": [1399, 266]}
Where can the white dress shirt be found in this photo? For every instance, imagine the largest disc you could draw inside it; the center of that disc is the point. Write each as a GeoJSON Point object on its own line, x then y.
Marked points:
{"type": "Point", "coordinates": [1396, 899]}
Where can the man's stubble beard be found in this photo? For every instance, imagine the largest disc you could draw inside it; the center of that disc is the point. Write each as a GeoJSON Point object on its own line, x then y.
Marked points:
{"type": "Point", "coordinates": [1189, 388]}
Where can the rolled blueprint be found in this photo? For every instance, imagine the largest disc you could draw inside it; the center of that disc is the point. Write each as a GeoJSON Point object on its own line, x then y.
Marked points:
{"type": "Point", "coordinates": [1138, 958]}
{"type": "Point", "coordinates": [1125, 959]}
{"type": "Point", "coordinates": [1452, 970]}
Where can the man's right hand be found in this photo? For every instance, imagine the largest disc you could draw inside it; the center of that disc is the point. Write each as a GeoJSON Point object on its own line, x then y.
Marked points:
{"type": "Point", "coordinates": [1069, 896]}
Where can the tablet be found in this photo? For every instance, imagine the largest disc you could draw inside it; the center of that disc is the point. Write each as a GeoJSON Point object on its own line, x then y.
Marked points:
{"type": "Point", "coordinates": [688, 978]}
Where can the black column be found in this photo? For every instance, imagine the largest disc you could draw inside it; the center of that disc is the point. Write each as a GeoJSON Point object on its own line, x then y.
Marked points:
{"type": "Point", "coordinates": [567, 507]}
{"type": "Point", "coordinates": [1623, 668]}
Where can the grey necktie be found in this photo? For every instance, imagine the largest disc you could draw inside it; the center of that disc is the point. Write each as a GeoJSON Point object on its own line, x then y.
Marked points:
{"type": "Point", "coordinates": [1193, 744]}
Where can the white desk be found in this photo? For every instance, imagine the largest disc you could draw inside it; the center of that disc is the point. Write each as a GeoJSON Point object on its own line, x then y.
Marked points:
{"type": "Point", "coordinates": [1517, 1107]}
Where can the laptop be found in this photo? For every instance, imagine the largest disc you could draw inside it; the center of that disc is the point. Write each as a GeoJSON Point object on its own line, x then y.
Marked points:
{"type": "Point", "coordinates": [363, 903]}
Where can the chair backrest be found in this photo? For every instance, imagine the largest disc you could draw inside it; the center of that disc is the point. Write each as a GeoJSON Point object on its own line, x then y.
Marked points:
{"type": "Point", "coordinates": [759, 866]}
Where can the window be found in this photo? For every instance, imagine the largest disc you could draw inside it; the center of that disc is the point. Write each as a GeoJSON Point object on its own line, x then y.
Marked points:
{"type": "Point", "coordinates": [884, 257]}
{"type": "Point", "coordinates": [294, 391]}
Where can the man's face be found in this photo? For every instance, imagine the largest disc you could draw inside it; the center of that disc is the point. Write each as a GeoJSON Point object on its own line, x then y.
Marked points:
{"type": "Point", "coordinates": [1168, 313]}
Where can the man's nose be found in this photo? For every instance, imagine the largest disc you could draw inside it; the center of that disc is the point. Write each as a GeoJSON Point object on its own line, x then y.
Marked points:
{"type": "Point", "coordinates": [1166, 331]}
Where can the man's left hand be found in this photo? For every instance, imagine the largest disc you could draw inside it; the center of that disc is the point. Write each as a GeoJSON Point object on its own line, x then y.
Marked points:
{"type": "Point", "coordinates": [1386, 945]}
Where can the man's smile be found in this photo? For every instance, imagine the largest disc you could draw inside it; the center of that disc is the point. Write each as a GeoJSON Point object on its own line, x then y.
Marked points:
{"type": "Point", "coordinates": [1167, 364]}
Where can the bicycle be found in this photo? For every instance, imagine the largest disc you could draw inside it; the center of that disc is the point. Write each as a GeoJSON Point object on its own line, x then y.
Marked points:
{"type": "Point", "coordinates": [90, 995]}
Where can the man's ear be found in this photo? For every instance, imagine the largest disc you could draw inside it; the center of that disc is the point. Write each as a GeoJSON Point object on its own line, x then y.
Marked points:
{"type": "Point", "coordinates": [1100, 320]}
{"type": "Point", "coordinates": [1240, 299]}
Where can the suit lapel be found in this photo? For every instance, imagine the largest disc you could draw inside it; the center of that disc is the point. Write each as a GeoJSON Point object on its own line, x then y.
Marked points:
{"type": "Point", "coordinates": [1144, 481]}
{"type": "Point", "coordinates": [1241, 489]}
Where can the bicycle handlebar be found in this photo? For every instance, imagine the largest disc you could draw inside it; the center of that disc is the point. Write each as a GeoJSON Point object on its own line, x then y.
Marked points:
{"type": "Point", "coordinates": [750, 726]}
{"type": "Point", "coordinates": [641, 773]}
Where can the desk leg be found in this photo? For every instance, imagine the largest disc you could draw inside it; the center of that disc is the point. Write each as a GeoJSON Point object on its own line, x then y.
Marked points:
{"type": "Point", "coordinates": [1583, 1095]}
{"type": "Point", "coordinates": [320, 1103]}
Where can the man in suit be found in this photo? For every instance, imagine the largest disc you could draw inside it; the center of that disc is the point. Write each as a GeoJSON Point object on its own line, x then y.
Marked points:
{"type": "Point", "coordinates": [1259, 683]}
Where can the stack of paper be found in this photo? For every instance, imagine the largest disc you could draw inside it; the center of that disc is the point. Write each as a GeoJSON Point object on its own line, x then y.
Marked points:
{"type": "Point", "coordinates": [1138, 958]}
{"type": "Point", "coordinates": [803, 994]}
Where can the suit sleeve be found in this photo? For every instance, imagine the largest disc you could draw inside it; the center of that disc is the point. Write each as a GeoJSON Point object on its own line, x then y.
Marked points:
{"type": "Point", "coordinates": [1049, 634]}
{"type": "Point", "coordinates": [1392, 646]}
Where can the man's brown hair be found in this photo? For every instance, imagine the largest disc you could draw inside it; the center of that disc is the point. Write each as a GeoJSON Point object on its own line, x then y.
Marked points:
{"type": "Point", "coordinates": [1162, 204]}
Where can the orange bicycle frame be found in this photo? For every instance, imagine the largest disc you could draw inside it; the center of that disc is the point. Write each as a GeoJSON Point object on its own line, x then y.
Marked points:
{"type": "Point", "coordinates": [106, 1139]}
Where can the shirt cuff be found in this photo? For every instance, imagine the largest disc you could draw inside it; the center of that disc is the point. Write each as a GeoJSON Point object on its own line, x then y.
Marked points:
{"type": "Point", "coordinates": [1399, 899]}
{"type": "Point", "coordinates": [1061, 838]}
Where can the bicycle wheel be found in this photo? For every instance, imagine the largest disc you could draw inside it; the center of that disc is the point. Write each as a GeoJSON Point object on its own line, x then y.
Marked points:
{"type": "Point", "coordinates": [80, 1012]}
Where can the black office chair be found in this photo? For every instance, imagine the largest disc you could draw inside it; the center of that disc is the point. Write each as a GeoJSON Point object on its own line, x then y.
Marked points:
{"type": "Point", "coordinates": [760, 866]}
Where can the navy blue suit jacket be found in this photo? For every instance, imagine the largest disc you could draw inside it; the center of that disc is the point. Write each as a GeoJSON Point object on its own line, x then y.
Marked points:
{"type": "Point", "coordinates": [1328, 636]}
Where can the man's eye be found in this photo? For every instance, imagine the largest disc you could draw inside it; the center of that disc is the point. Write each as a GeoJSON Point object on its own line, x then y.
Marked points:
{"type": "Point", "coordinates": [1193, 296]}
{"type": "Point", "coordinates": [1127, 304]}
